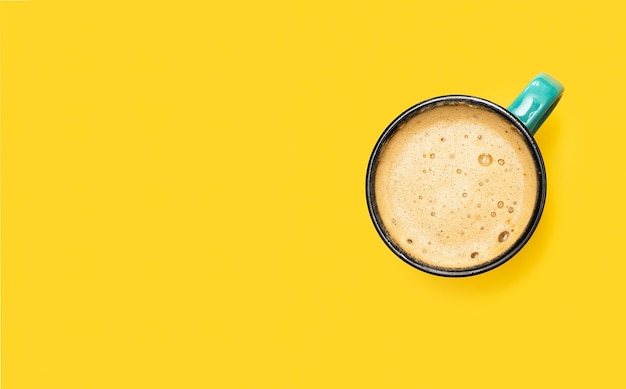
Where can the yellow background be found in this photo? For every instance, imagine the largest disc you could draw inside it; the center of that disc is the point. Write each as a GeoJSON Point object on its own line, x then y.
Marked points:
{"type": "Point", "coordinates": [183, 196]}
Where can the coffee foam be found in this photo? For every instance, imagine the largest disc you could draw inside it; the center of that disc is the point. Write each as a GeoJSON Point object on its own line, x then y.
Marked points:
{"type": "Point", "coordinates": [456, 186]}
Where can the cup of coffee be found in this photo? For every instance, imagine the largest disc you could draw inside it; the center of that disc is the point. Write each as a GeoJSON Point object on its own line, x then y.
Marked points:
{"type": "Point", "coordinates": [456, 184]}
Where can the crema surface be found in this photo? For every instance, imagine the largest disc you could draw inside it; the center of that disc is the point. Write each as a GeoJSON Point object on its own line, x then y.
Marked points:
{"type": "Point", "coordinates": [456, 186]}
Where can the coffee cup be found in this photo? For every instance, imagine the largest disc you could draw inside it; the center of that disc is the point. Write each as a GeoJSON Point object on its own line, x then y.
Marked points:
{"type": "Point", "coordinates": [456, 184]}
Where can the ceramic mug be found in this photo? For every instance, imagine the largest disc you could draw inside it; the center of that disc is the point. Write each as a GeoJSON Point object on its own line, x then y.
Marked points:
{"type": "Point", "coordinates": [456, 184]}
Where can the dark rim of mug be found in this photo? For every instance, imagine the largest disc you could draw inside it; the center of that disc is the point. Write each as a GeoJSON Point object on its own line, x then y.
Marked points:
{"type": "Point", "coordinates": [451, 100]}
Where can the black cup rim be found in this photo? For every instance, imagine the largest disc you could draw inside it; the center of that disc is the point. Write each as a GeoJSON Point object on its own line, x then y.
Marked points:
{"type": "Point", "coordinates": [449, 100]}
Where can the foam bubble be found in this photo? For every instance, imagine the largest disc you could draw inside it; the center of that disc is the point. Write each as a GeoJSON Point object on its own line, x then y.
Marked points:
{"type": "Point", "coordinates": [503, 236]}
{"type": "Point", "coordinates": [485, 159]}
{"type": "Point", "coordinates": [500, 204]}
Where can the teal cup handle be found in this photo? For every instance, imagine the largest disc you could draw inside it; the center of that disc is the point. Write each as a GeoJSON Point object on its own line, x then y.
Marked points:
{"type": "Point", "coordinates": [537, 101]}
